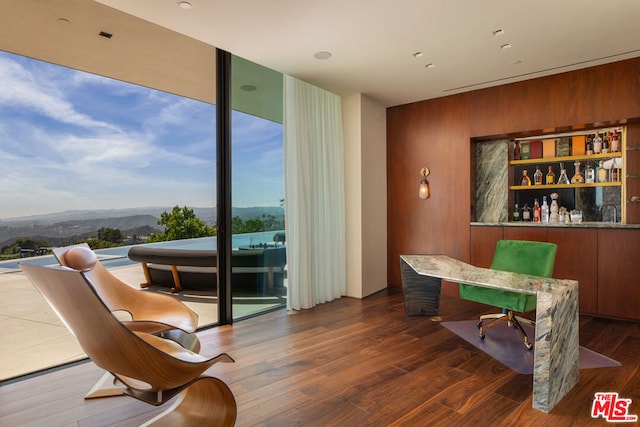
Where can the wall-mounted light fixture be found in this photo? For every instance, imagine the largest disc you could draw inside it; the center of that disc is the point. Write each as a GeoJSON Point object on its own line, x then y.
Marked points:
{"type": "Point", "coordinates": [424, 192]}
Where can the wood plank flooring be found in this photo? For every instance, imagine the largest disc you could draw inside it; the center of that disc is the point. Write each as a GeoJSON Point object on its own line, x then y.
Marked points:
{"type": "Point", "coordinates": [352, 363]}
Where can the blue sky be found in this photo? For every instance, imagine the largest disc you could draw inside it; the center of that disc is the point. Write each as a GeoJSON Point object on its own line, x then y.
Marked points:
{"type": "Point", "coordinates": [73, 140]}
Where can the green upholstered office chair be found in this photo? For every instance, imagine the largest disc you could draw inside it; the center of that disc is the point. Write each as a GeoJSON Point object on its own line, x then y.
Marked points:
{"type": "Point", "coordinates": [516, 256]}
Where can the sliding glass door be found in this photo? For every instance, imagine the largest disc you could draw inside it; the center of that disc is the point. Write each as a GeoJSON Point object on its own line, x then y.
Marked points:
{"type": "Point", "coordinates": [258, 259]}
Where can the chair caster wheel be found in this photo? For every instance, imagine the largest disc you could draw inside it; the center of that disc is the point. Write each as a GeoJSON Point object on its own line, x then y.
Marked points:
{"type": "Point", "coordinates": [479, 324]}
{"type": "Point", "coordinates": [528, 345]}
{"type": "Point", "coordinates": [482, 337]}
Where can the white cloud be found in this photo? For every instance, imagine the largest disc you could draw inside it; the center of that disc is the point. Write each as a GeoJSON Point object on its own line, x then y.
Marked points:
{"type": "Point", "coordinates": [20, 89]}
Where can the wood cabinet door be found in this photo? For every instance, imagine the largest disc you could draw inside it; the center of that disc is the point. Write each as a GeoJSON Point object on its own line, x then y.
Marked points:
{"type": "Point", "coordinates": [577, 259]}
{"type": "Point", "coordinates": [483, 245]}
{"type": "Point", "coordinates": [619, 273]}
{"type": "Point", "coordinates": [534, 234]}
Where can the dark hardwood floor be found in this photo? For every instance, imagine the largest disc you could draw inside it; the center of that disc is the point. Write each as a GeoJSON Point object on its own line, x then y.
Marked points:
{"type": "Point", "coordinates": [352, 363]}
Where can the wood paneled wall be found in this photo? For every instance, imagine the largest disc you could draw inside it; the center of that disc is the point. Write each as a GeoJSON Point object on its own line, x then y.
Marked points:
{"type": "Point", "coordinates": [430, 134]}
{"type": "Point", "coordinates": [437, 133]}
{"type": "Point", "coordinates": [593, 96]}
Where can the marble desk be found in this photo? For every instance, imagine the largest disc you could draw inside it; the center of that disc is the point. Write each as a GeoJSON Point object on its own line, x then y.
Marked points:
{"type": "Point", "coordinates": [556, 359]}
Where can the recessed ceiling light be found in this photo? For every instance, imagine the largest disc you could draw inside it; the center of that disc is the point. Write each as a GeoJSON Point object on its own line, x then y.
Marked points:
{"type": "Point", "coordinates": [185, 5]}
{"type": "Point", "coordinates": [249, 88]}
{"type": "Point", "coordinates": [323, 54]}
{"type": "Point", "coordinates": [418, 54]}
{"type": "Point", "coordinates": [63, 20]}
{"type": "Point", "coordinates": [431, 65]}
{"type": "Point", "coordinates": [505, 46]}
{"type": "Point", "coordinates": [498, 32]}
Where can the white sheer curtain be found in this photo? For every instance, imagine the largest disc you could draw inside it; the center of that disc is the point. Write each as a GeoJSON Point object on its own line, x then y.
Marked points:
{"type": "Point", "coordinates": [314, 195]}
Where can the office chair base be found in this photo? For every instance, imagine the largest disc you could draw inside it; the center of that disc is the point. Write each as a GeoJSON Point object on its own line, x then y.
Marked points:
{"type": "Point", "coordinates": [511, 319]}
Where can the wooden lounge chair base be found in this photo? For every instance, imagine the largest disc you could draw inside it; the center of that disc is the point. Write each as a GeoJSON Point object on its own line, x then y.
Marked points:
{"type": "Point", "coordinates": [206, 402]}
{"type": "Point", "coordinates": [107, 386]}
{"type": "Point", "coordinates": [192, 407]}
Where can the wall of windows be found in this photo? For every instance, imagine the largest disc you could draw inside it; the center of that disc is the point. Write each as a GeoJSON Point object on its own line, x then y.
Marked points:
{"type": "Point", "coordinates": [87, 158]}
{"type": "Point", "coordinates": [116, 146]}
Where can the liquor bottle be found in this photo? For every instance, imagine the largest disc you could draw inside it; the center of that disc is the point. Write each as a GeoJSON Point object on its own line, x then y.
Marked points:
{"type": "Point", "coordinates": [525, 180]}
{"type": "Point", "coordinates": [589, 174]}
{"type": "Point", "coordinates": [589, 145]}
{"type": "Point", "coordinates": [526, 213]}
{"type": "Point", "coordinates": [597, 144]}
{"type": "Point", "coordinates": [577, 177]}
{"type": "Point", "coordinates": [536, 211]}
{"type": "Point", "coordinates": [544, 210]}
{"type": "Point", "coordinates": [516, 150]}
{"type": "Point", "coordinates": [602, 172]}
{"type": "Point", "coordinates": [563, 175]}
{"type": "Point", "coordinates": [551, 177]}
{"type": "Point", "coordinates": [615, 142]}
{"type": "Point", "coordinates": [554, 209]}
{"type": "Point", "coordinates": [537, 177]}
{"type": "Point", "coordinates": [614, 172]}
{"type": "Point", "coordinates": [606, 142]}
{"type": "Point", "coordinates": [516, 213]}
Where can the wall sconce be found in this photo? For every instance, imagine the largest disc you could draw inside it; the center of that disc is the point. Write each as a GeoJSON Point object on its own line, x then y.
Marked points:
{"type": "Point", "coordinates": [424, 192]}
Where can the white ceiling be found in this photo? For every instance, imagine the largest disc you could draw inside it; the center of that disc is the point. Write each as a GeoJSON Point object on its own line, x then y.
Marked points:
{"type": "Point", "coordinates": [373, 41]}
{"type": "Point", "coordinates": [66, 32]}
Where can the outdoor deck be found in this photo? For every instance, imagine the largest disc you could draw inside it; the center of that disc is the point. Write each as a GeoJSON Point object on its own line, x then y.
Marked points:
{"type": "Point", "coordinates": [34, 338]}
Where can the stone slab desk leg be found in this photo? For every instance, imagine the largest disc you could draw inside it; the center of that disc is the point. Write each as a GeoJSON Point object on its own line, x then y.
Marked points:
{"type": "Point", "coordinates": [556, 360]}
{"type": "Point", "coordinates": [421, 293]}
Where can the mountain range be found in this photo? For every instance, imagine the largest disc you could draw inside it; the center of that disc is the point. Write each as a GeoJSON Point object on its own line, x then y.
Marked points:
{"type": "Point", "coordinates": [68, 226]}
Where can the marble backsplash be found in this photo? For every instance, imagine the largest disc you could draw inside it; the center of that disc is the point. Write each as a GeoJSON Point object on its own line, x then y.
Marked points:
{"type": "Point", "coordinates": [492, 196]}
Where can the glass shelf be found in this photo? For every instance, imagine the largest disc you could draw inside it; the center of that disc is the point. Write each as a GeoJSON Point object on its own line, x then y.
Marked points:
{"type": "Point", "coordinates": [540, 160]}
{"type": "Point", "coordinates": [559, 186]}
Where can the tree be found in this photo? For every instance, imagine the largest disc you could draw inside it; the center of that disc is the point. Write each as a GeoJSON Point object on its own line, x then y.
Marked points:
{"type": "Point", "coordinates": [99, 243]}
{"type": "Point", "coordinates": [181, 223]}
{"type": "Point", "coordinates": [22, 243]}
{"type": "Point", "coordinates": [113, 235]}
{"type": "Point", "coordinates": [264, 222]}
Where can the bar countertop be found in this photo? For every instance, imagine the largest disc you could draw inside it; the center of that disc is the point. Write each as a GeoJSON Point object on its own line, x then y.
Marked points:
{"type": "Point", "coordinates": [613, 225]}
